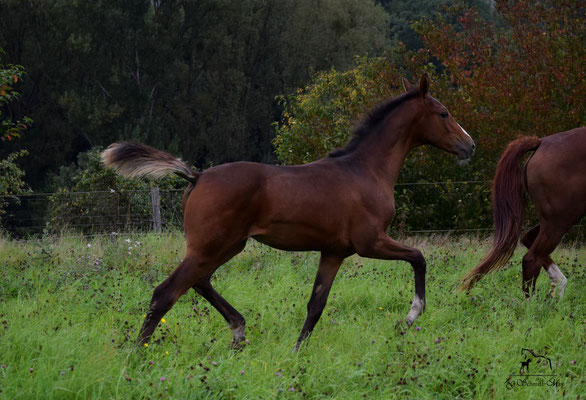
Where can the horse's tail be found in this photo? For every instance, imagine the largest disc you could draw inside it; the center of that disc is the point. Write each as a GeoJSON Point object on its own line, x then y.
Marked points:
{"type": "Point", "coordinates": [134, 160]}
{"type": "Point", "coordinates": [508, 205]}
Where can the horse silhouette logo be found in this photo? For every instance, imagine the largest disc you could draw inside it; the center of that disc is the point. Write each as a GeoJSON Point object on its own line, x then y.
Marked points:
{"type": "Point", "coordinates": [537, 376]}
{"type": "Point", "coordinates": [525, 364]}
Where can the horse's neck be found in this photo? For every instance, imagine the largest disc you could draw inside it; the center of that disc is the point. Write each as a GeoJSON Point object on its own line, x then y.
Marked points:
{"type": "Point", "coordinates": [385, 153]}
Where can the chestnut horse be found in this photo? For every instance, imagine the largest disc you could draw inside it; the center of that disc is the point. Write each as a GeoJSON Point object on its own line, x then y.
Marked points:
{"type": "Point", "coordinates": [555, 177]}
{"type": "Point", "coordinates": [339, 205]}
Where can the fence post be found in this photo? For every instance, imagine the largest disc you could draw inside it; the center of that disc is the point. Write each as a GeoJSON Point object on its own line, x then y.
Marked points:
{"type": "Point", "coordinates": [156, 207]}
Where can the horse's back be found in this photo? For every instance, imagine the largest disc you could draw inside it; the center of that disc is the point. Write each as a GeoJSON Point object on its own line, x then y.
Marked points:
{"type": "Point", "coordinates": [556, 174]}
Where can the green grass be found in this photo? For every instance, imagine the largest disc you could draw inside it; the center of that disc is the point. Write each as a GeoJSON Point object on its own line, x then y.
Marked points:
{"type": "Point", "coordinates": [70, 311]}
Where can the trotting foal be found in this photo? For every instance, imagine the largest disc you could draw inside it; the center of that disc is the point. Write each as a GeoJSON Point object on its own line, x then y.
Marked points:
{"type": "Point", "coordinates": [339, 205]}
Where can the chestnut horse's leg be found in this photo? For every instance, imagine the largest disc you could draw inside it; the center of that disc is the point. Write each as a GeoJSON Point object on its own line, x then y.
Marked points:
{"type": "Point", "coordinates": [234, 318]}
{"type": "Point", "coordinates": [194, 271]}
{"type": "Point", "coordinates": [166, 294]}
{"type": "Point", "coordinates": [388, 249]}
{"type": "Point", "coordinates": [548, 237]}
{"type": "Point", "coordinates": [326, 272]}
{"type": "Point", "coordinates": [556, 276]}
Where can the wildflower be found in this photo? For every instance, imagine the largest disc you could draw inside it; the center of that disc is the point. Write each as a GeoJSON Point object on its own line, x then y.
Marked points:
{"type": "Point", "coordinates": [3, 365]}
{"type": "Point", "coordinates": [146, 345]}
{"type": "Point", "coordinates": [373, 341]}
{"type": "Point", "coordinates": [151, 362]}
{"type": "Point", "coordinates": [360, 364]}
{"type": "Point", "coordinates": [163, 320]}
{"type": "Point", "coordinates": [214, 363]}
{"type": "Point", "coordinates": [280, 375]}
{"type": "Point", "coordinates": [573, 362]}
{"type": "Point", "coordinates": [89, 245]}
{"type": "Point", "coordinates": [437, 340]}
{"type": "Point", "coordinates": [62, 372]}
{"type": "Point", "coordinates": [246, 341]}
{"type": "Point", "coordinates": [30, 370]}
{"type": "Point", "coordinates": [166, 352]}
{"type": "Point", "coordinates": [86, 287]}
{"type": "Point", "coordinates": [380, 308]}
{"type": "Point", "coordinates": [241, 372]}
{"type": "Point", "coordinates": [418, 328]}
{"type": "Point", "coordinates": [292, 389]}
{"type": "Point", "coordinates": [127, 240]}
{"type": "Point", "coordinates": [163, 379]}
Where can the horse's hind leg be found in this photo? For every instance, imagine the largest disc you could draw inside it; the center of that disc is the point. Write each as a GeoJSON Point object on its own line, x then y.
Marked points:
{"type": "Point", "coordinates": [234, 318]}
{"type": "Point", "coordinates": [326, 272]}
{"type": "Point", "coordinates": [556, 276]}
{"type": "Point", "coordinates": [538, 255]}
{"type": "Point", "coordinates": [166, 294]}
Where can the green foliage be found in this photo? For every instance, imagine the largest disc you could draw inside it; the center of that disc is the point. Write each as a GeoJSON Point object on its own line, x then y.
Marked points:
{"type": "Point", "coordinates": [9, 76]}
{"type": "Point", "coordinates": [11, 175]}
{"type": "Point", "coordinates": [71, 313]}
{"type": "Point", "coordinates": [317, 118]}
{"type": "Point", "coordinates": [195, 78]}
{"type": "Point", "coordinates": [90, 198]}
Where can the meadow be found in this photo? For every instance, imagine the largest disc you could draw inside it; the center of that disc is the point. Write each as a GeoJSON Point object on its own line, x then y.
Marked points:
{"type": "Point", "coordinates": [70, 310]}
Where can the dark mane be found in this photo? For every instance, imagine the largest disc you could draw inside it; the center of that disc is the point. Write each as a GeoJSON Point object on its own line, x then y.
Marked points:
{"type": "Point", "coordinates": [370, 121]}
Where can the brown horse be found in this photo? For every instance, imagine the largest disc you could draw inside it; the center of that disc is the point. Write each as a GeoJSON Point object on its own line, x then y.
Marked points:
{"type": "Point", "coordinates": [555, 177]}
{"type": "Point", "coordinates": [339, 205]}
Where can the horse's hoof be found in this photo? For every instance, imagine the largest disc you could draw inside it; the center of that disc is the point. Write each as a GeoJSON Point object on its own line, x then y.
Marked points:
{"type": "Point", "coordinates": [402, 326]}
{"type": "Point", "coordinates": [238, 346]}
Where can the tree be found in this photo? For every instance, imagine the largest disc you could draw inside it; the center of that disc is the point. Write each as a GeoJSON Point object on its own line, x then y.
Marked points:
{"type": "Point", "coordinates": [196, 78]}
{"type": "Point", "coordinates": [524, 77]}
{"type": "Point", "coordinates": [11, 175]}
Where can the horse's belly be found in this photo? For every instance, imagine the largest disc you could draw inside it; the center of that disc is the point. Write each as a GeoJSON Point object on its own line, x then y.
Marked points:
{"type": "Point", "coordinates": [297, 237]}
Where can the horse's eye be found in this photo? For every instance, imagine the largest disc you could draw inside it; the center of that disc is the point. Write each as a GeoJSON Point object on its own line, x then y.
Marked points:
{"type": "Point", "coordinates": [444, 114]}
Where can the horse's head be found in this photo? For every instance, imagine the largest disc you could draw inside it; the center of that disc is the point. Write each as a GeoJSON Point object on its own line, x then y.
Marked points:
{"type": "Point", "coordinates": [436, 126]}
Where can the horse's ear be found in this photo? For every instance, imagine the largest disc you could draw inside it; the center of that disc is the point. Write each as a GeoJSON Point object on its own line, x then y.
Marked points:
{"type": "Point", "coordinates": [423, 85]}
{"type": "Point", "coordinates": [406, 84]}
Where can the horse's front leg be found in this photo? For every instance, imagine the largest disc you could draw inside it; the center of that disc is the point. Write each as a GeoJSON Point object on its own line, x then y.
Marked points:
{"type": "Point", "coordinates": [326, 272]}
{"type": "Point", "coordinates": [386, 248]}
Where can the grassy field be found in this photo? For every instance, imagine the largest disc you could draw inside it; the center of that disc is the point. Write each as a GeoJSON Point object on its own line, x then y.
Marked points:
{"type": "Point", "coordinates": [70, 310]}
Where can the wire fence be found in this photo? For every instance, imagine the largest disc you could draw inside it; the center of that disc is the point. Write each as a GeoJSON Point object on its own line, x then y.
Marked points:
{"type": "Point", "coordinates": [422, 208]}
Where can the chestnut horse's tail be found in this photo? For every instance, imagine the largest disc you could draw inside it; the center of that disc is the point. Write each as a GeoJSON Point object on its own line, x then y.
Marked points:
{"type": "Point", "coordinates": [133, 160]}
{"type": "Point", "coordinates": [508, 205]}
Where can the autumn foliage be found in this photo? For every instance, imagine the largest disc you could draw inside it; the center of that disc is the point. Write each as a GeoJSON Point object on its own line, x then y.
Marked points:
{"type": "Point", "coordinates": [523, 73]}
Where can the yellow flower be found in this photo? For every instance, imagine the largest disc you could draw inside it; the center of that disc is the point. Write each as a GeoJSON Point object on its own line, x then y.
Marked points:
{"type": "Point", "coordinates": [380, 308]}
{"type": "Point", "coordinates": [146, 345]}
{"type": "Point", "coordinates": [166, 352]}
{"type": "Point", "coordinates": [163, 320]}
{"type": "Point", "coordinates": [144, 315]}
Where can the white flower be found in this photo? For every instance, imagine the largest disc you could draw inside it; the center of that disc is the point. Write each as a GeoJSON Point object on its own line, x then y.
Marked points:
{"type": "Point", "coordinates": [89, 245]}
